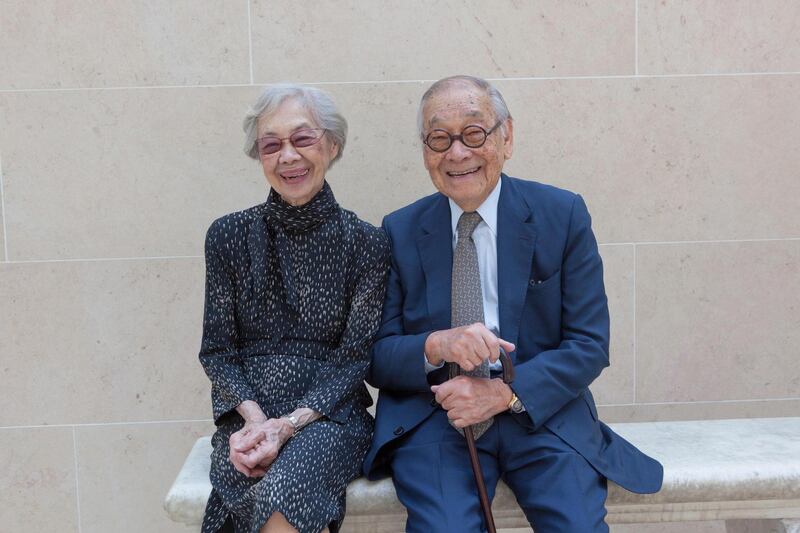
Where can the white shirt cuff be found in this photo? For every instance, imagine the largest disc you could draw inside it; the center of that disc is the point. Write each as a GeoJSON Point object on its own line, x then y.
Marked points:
{"type": "Point", "coordinates": [497, 365]}
{"type": "Point", "coordinates": [429, 367]}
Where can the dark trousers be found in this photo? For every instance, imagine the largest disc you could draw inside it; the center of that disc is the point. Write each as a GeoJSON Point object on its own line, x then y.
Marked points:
{"type": "Point", "coordinates": [559, 491]}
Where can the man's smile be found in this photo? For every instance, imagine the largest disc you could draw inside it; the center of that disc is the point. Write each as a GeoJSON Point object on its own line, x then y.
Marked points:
{"type": "Point", "coordinates": [459, 173]}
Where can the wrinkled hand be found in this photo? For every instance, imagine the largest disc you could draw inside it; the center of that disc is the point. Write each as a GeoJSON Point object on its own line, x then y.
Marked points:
{"type": "Point", "coordinates": [470, 400]}
{"type": "Point", "coordinates": [254, 447]}
{"type": "Point", "coordinates": [467, 346]}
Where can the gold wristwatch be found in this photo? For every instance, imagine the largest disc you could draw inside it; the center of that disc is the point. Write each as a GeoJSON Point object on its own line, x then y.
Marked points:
{"type": "Point", "coordinates": [294, 422]}
{"type": "Point", "coordinates": [515, 404]}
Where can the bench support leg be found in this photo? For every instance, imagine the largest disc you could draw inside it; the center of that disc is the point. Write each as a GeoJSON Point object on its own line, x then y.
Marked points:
{"type": "Point", "coordinates": [763, 526]}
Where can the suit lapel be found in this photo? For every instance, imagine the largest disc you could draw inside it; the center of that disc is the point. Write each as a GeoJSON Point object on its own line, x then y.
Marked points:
{"type": "Point", "coordinates": [516, 240]}
{"type": "Point", "coordinates": [435, 245]}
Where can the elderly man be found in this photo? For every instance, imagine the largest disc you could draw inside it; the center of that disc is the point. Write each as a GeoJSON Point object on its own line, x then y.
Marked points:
{"type": "Point", "coordinates": [492, 261]}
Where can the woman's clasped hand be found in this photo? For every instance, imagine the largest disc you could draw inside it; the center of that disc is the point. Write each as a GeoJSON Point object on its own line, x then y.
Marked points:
{"type": "Point", "coordinates": [256, 445]}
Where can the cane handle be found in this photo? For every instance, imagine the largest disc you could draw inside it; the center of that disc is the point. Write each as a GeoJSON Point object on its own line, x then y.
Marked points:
{"type": "Point", "coordinates": [508, 366]}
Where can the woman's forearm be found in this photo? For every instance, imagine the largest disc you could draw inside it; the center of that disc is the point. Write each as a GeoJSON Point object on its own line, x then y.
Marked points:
{"type": "Point", "coordinates": [251, 412]}
{"type": "Point", "coordinates": [305, 416]}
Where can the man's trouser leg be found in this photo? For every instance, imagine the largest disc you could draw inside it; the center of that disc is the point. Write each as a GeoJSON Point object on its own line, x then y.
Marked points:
{"type": "Point", "coordinates": [559, 491]}
{"type": "Point", "coordinates": [434, 480]}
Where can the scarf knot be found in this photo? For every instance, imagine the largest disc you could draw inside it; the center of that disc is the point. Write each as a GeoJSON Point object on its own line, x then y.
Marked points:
{"type": "Point", "coordinates": [301, 218]}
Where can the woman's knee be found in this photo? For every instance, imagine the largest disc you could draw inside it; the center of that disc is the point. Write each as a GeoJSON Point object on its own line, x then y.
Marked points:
{"type": "Point", "coordinates": [277, 523]}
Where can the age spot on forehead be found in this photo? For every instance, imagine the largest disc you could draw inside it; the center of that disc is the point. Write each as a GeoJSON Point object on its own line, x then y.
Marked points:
{"type": "Point", "coordinates": [455, 112]}
{"type": "Point", "coordinates": [456, 104]}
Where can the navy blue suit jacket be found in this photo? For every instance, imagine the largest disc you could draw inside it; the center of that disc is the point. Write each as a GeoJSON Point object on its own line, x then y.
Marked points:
{"type": "Point", "coordinates": [552, 306]}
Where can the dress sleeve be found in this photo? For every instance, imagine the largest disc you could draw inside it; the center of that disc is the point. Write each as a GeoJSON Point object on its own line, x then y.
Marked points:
{"type": "Point", "coordinates": [218, 351]}
{"type": "Point", "coordinates": [335, 386]}
{"type": "Point", "coordinates": [397, 357]}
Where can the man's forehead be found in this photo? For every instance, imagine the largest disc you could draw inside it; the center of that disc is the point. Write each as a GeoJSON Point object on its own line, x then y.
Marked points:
{"type": "Point", "coordinates": [449, 105]}
{"type": "Point", "coordinates": [443, 115]}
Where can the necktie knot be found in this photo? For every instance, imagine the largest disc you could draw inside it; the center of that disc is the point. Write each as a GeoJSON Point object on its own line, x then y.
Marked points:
{"type": "Point", "coordinates": [467, 223]}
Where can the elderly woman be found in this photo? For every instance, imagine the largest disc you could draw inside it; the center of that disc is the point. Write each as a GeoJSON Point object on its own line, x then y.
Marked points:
{"type": "Point", "coordinates": [294, 289]}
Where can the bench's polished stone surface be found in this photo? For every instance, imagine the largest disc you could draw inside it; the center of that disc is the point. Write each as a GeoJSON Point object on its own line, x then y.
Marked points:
{"type": "Point", "coordinates": [713, 470]}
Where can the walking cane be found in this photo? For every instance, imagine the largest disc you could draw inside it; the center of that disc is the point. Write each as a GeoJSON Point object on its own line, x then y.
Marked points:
{"type": "Point", "coordinates": [508, 376]}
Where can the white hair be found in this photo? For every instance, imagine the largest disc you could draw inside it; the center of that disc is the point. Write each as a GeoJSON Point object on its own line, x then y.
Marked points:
{"type": "Point", "coordinates": [319, 104]}
{"type": "Point", "coordinates": [499, 106]}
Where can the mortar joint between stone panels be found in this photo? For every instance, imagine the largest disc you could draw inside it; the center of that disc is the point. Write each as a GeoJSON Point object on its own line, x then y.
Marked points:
{"type": "Point", "coordinates": [102, 259]}
{"type": "Point", "coordinates": [250, 39]}
{"type": "Point", "coordinates": [111, 424]}
{"type": "Point", "coordinates": [701, 402]}
{"type": "Point", "coordinates": [6, 258]}
{"type": "Point", "coordinates": [408, 81]}
{"type": "Point", "coordinates": [77, 482]}
{"type": "Point", "coordinates": [636, 38]}
{"type": "Point", "coordinates": [635, 356]}
{"type": "Point", "coordinates": [710, 241]}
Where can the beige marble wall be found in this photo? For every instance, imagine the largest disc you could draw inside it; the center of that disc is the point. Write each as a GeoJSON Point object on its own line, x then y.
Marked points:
{"type": "Point", "coordinates": [91, 43]}
{"type": "Point", "coordinates": [120, 142]}
{"type": "Point", "coordinates": [3, 243]}
{"type": "Point", "coordinates": [375, 41]}
{"type": "Point", "coordinates": [718, 36]}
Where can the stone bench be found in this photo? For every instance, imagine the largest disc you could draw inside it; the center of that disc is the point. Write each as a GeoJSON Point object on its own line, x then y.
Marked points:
{"type": "Point", "coordinates": [746, 472]}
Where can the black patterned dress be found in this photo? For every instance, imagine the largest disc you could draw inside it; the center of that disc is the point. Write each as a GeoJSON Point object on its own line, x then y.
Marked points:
{"type": "Point", "coordinates": [293, 299]}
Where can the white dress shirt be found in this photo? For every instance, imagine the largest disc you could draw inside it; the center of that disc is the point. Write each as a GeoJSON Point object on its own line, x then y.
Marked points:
{"type": "Point", "coordinates": [485, 239]}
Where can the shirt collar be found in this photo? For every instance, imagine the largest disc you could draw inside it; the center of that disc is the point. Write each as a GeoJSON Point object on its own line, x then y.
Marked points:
{"type": "Point", "coordinates": [487, 210]}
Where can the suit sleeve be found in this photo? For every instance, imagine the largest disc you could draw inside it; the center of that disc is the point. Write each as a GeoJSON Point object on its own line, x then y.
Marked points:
{"type": "Point", "coordinates": [218, 352]}
{"type": "Point", "coordinates": [398, 362]}
{"type": "Point", "coordinates": [336, 384]}
{"type": "Point", "coordinates": [554, 377]}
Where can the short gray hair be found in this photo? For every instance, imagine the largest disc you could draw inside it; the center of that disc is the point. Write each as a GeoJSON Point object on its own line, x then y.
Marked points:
{"type": "Point", "coordinates": [319, 103]}
{"type": "Point", "coordinates": [499, 106]}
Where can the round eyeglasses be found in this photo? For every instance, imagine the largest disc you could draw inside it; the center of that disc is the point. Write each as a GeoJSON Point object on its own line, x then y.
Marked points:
{"type": "Point", "coordinates": [472, 136]}
{"type": "Point", "coordinates": [304, 138]}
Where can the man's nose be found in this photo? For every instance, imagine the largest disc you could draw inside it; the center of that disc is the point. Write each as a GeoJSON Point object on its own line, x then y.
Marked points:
{"type": "Point", "coordinates": [458, 152]}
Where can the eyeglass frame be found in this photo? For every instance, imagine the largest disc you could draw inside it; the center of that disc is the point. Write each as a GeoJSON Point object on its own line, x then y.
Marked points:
{"type": "Point", "coordinates": [460, 136]}
{"type": "Point", "coordinates": [289, 138]}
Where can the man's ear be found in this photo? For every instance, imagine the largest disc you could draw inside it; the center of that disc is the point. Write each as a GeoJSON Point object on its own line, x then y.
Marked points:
{"type": "Point", "coordinates": [508, 142]}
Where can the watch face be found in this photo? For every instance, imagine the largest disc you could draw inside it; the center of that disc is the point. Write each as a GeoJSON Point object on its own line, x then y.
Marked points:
{"type": "Point", "coordinates": [517, 406]}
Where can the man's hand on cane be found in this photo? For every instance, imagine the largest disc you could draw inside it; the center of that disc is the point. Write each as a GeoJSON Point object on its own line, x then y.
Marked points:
{"type": "Point", "coordinates": [467, 346]}
{"type": "Point", "coordinates": [469, 400]}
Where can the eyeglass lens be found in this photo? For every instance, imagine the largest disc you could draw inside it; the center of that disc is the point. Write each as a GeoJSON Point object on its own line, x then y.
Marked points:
{"type": "Point", "coordinates": [299, 139]}
{"type": "Point", "coordinates": [471, 137]}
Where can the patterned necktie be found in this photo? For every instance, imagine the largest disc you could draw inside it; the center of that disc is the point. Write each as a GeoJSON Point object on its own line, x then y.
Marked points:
{"type": "Point", "coordinates": [466, 297]}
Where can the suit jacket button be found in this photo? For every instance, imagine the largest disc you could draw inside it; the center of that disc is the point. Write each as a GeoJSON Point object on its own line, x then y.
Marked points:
{"type": "Point", "coordinates": [434, 403]}
{"type": "Point", "coordinates": [399, 430]}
